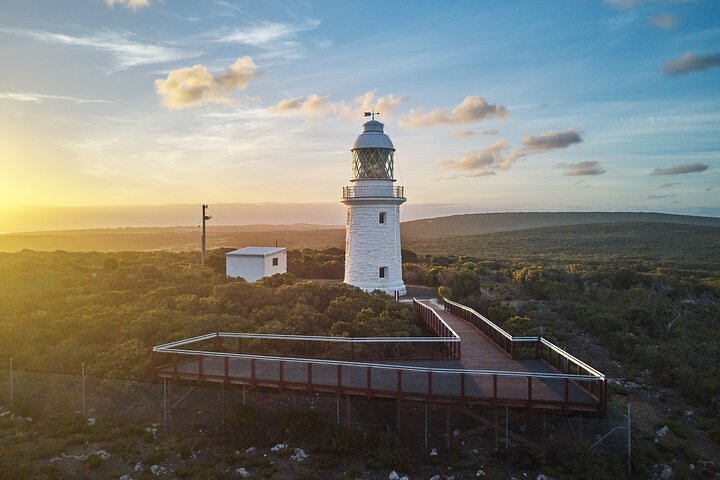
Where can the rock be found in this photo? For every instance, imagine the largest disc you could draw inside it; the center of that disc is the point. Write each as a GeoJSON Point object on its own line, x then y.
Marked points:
{"type": "Point", "coordinates": [689, 413]}
{"type": "Point", "coordinates": [435, 477]}
{"type": "Point", "coordinates": [662, 432]}
{"type": "Point", "coordinates": [126, 477]}
{"type": "Point", "coordinates": [159, 470]}
{"type": "Point", "coordinates": [480, 473]}
{"type": "Point", "coordinates": [456, 433]}
{"type": "Point", "coordinates": [91, 421]}
{"type": "Point", "coordinates": [433, 452]}
{"type": "Point", "coordinates": [103, 454]}
{"type": "Point", "coordinates": [250, 450]}
{"type": "Point", "coordinates": [393, 476]}
{"type": "Point", "coordinates": [541, 476]}
{"type": "Point", "coordinates": [299, 455]}
{"type": "Point", "coordinates": [280, 447]}
{"type": "Point", "coordinates": [666, 473]}
{"type": "Point", "coordinates": [242, 472]}
{"type": "Point", "coordinates": [692, 467]}
{"type": "Point", "coordinates": [404, 477]}
{"type": "Point", "coordinates": [139, 467]}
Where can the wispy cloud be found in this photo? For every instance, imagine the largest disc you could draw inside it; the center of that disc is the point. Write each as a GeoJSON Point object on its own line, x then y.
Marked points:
{"type": "Point", "coordinates": [472, 109]}
{"type": "Point", "coordinates": [581, 168]}
{"type": "Point", "coordinates": [40, 97]}
{"type": "Point", "coordinates": [669, 185]}
{"type": "Point", "coordinates": [275, 38]}
{"type": "Point", "coordinates": [188, 87]}
{"type": "Point", "coordinates": [663, 20]}
{"type": "Point", "coordinates": [689, 62]}
{"type": "Point", "coordinates": [131, 4]}
{"type": "Point", "coordinates": [623, 4]}
{"type": "Point", "coordinates": [127, 53]}
{"type": "Point", "coordinates": [470, 133]}
{"type": "Point", "coordinates": [660, 197]}
{"type": "Point", "coordinates": [681, 169]}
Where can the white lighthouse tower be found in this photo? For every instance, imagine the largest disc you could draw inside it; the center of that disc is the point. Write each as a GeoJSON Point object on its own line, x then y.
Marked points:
{"type": "Point", "coordinates": [372, 234]}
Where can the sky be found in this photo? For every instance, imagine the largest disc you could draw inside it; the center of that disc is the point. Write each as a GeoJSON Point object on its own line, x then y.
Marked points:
{"type": "Point", "coordinates": [112, 112]}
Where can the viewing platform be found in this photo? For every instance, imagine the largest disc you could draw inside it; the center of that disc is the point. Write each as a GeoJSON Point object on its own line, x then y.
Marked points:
{"type": "Point", "coordinates": [471, 361]}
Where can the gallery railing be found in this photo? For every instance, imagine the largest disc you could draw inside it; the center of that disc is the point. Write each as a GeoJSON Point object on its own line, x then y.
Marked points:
{"type": "Point", "coordinates": [358, 191]}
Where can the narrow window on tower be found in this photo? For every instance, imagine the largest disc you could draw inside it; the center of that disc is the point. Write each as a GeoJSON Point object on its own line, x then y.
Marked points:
{"type": "Point", "coordinates": [381, 217]}
{"type": "Point", "coordinates": [347, 218]}
{"type": "Point", "coordinates": [383, 271]}
{"type": "Point", "coordinates": [275, 262]}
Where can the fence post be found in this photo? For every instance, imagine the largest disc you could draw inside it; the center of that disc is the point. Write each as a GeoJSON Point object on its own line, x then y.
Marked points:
{"type": "Point", "coordinates": [164, 402]}
{"type": "Point", "coordinates": [629, 437]}
{"type": "Point", "coordinates": [83, 389]}
{"type": "Point", "coordinates": [11, 383]}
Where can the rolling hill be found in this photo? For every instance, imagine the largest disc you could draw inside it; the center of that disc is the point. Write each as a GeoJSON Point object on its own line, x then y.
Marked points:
{"type": "Point", "coordinates": [539, 233]}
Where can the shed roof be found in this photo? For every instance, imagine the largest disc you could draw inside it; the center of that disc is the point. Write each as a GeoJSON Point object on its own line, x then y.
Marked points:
{"type": "Point", "coordinates": [255, 251]}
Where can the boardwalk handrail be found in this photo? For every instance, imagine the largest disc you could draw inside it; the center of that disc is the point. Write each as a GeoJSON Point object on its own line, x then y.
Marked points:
{"type": "Point", "coordinates": [441, 328]}
{"type": "Point", "coordinates": [545, 350]}
{"type": "Point", "coordinates": [378, 366]}
{"type": "Point", "coordinates": [541, 343]}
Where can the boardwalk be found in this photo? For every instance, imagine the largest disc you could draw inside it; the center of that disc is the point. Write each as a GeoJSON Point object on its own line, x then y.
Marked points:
{"type": "Point", "coordinates": [485, 374]}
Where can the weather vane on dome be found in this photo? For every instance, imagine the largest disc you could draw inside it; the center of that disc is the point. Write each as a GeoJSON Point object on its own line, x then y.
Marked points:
{"type": "Point", "coordinates": [373, 113]}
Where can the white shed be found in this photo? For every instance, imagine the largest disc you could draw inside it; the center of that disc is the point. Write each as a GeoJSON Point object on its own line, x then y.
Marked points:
{"type": "Point", "coordinates": [254, 263]}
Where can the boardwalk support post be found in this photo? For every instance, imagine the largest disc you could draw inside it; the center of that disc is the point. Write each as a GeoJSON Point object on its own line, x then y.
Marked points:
{"type": "Point", "coordinates": [426, 425]}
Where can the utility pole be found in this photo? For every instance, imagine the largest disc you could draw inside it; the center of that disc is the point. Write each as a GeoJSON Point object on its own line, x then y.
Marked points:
{"type": "Point", "coordinates": [205, 218]}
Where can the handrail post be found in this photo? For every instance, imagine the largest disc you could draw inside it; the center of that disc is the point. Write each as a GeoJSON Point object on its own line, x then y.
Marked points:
{"type": "Point", "coordinates": [430, 382]}
{"type": "Point", "coordinates": [253, 380]}
{"type": "Point", "coordinates": [399, 382]}
{"type": "Point", "coordinates": [339, 378]}
{"type": "Point", "coordinates": [282, 375]}
{"type": "Point", "coordinates": [495, 390]}
{"type": "Point", "coordinates": [529, 390]}
{"type": "Point", "coordinates": [309, 377]}
{"type": "Point", "coordinates": [369, 382]}
{"type": "Point", "coordinates": [226, 379]}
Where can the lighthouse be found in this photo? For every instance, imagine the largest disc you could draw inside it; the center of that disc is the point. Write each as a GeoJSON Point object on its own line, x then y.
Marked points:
{"type": "Point", "coordinates": [373, 259]}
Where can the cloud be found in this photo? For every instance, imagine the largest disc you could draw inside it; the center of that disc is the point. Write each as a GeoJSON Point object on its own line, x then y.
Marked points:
{"type": "Point", "coordinates": [681, 169]}
{"type": "Point", "coordinates": [314, 106]}
{"type": "Point", "coordinates": [663, 20]}
{"type": "Point", "coordinates": [688, 62]}
{"type": "Point", "coordinates": [581, 168]}
{"type": "Point", "coordinates": [501, 155]}
{"type": "Point", "coordinates": [39, 98]}
{"type": "Point", "coordinates": [485, 161]}
{"type": "Point", "coordinates": [552, 140]}
{"type": "Point", "coordinates": [623, 4]}
{"type": "Point", "coordinates": [464, 134]}
{"type": "Point", "coordinates": [471, 109]}
{"type": "Point", "coordinates": [385, 105]}
{"type": "Point", "coordinates": [491, 131]}
{"type": "Point", "coordinates": [669, 185]}
{"type": "Point", "coordinates": [188, 87]}
{"type": "Point", "coordinates": [660, 197]}
{"type": "Point", "coordinates": [131, 4]}
{"type": "Point", "coordinates": [127, 53]}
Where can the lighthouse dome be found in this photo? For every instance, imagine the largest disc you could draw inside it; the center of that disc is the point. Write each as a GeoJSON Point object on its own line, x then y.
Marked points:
{"type": "Point", "coordinates": [373, 136]}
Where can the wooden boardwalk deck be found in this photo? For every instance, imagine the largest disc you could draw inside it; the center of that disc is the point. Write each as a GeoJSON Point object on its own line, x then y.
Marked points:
{"type": "Point", "coordinates": [485, 374]}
